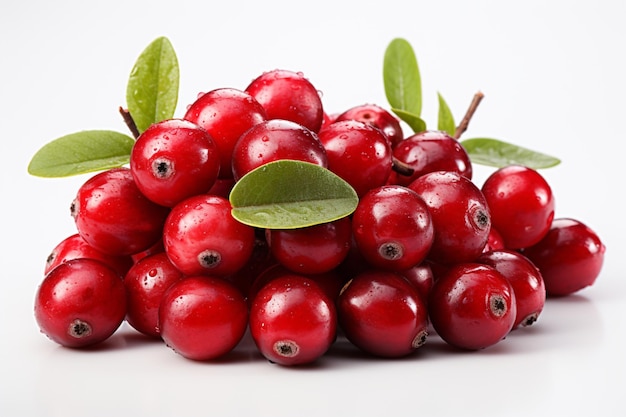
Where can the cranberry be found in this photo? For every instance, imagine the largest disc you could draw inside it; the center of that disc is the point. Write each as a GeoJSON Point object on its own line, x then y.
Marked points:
{"type": "Point", "coordinates": [382, 313]}
{"type": "Point", "coordinates": [494, 240]}
{"type": "Point", "coordinates": [201, 237]}
{"type": "Point", "coordinates": [570, 257]}
{"type": "Point", "coordinates": [226, 113]}
{"type": "Point", "coordinates": [472, 306]}
{"type": "Point", "coordinates": [174, 159]}
{"type": "Point", "coordinates": [521, 205]}
{"type": "Point", "coordinates": [460, 216]}
{"type": "Point", "coordinates": [292, 320]}
{"type": "Point", "coordinates": [290, 96]}
{"type": "Point", "coordinates": [113, 216]}
{"type": "Point", "coordinates": [145, 283]}
{"type": "Point", "coordinates": [260, 259]}
{"type": "Point", "coordinates": [273, 140]}
{"type": "Point", "coordinates": [392, 227]}
{"type": "Point", "coordinates": [357, 152]}
{"type": "Point", "coordinates": [80, 303]}
{"type": "Point", "coordinates": [311, 250]}
{"type": "Point", "coordinates": [431, 151]}
{"type": "Point", "coordinates": [378, 117]}
{"type": "Point", "coordinates": [202, 318]}
{"type": "Point", "coordinates": [74, 246]}
{"type": "Point", "coordinates": [422, 277]}
{"type": "Point", "coordinates": [526, 280]}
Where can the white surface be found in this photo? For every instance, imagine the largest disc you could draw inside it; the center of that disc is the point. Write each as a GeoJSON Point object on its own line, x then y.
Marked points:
{"type": "Point", "coordinates": [553, 78]}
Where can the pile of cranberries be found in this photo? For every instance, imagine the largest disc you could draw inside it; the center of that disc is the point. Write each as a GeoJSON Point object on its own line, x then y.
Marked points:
{"type": "Point", "coordinates": [425, 250]}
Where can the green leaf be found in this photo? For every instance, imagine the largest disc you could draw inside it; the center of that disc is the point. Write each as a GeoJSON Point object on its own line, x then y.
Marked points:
{"type": "Point", "coordinates": [496, 153]}
{"type": "Point", "coordinates": [416, 123]}
{"type": "Point", "coordinates": [401, 76]}
{"type": "Point", "coordinates": [152, 89]}
{"type": "Point", "coordinates": [446, 120]}
{"type": "Point", "coordinates": [288, 194]}
{"type": "Point", "coordinates": [81, 152]}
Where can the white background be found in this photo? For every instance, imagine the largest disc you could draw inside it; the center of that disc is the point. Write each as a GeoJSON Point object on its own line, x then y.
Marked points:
{"type": "Point", "coordinates": [553, 77]}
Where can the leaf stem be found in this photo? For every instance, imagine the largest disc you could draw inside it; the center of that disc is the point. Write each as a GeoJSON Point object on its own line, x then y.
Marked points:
{"type": "Point", "coordinates": [128, 119]}
{"type": "Point", "coordinates": [401, 168]}
{"type": "Point", "coordinates": [462, 127]}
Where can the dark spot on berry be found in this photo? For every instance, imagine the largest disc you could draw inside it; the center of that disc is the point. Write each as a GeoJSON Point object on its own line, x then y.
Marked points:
{"type": "Point", "coordinates": [286, 348]}
{"type": "Point", "coordinates": [529, 320]}
{"type": "Point", "coordinates": [162, 168]}
{"type": "Point", "coordinates": [391, 251]}
{"type": "Point", "coordinates": [497, 305]}
{"type": "Point", "coordinates": [74, 208]}
{"type": "Point", "coordinates": [420, 339]}
{"type": "Point", "coordinates": [209, 258]}
{"type": "Point", "coordinates": [79, 329]}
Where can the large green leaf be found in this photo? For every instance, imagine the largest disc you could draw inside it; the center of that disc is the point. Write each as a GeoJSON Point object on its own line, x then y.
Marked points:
{"type": "Point", "coordinates": [496, 153]}
{"type": "Point", "coordinates": [401, 77]}
{"type": "Point", "coordinates": [445, 120]}
{"type": "Point", "coordinates": [288, 194]}
{"type": "Point", "coordinates": [81, 152]}
{"type": "Point", "coordinates": [152, 89]}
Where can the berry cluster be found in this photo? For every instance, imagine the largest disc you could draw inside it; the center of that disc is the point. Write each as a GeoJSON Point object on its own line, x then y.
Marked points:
{"type": "Point", "coordinates": [426, 250]}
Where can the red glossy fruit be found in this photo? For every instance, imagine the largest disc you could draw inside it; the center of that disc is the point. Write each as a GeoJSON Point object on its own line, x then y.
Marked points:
{"type": "Point", "coordinates": [113, 216]}
{"type": "Point", "coordinates": [80, 303]}
{"type": "Point", "coordinates": [378, 117]}
{"type": "Point", "coordinates": [421, 276]}
{"type": "Point", "coordinates": [292, 320]}
{"type": "Point", "coordinates": [202, 318]}
{"type": "Point", "coordinates": [570, 257]}
{"type": "Point", "coordinates": [526, 280]}
{"type": "Point", "coordinates": [382, 313]}
{"type": "Point", "coordinates": [521, 205]}
{"type": "Point", "coordinates": [145, 283]}
{"type": "Point", "coordinates": [290, 96]}
{"type": "Point", "coordinates": [472, 306]}
{"type": "Point", "coordinates": [174, 159]}
{"type": "Point", "coordinates": [226, 113]}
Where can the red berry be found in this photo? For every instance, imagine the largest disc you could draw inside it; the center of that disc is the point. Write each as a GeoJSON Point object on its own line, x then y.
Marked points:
{"type": "Point", "coordinates": [472, 306]}
{"type": "Point", "coordinates": [460, 216]}
{"type": "Point", "coordinates": [382, 313]}
{"type": "Point", "coordinates": [526, 280]}
{"type": "Point", "coordinates": [226, 113]}
{"type": "Point", "coordinates": [311, 250]}
{"type": "Point", "coordinates": [421, 276]}
{"type": "Point", "coordinates": [521, 205]}
{"type": "Point", "coordinates": [201, 237]}
{"type": "Point", "coordinates": [357, 152]}
{"type": "Point", "coordinates": [145, 283]}
{"type": "Point", "coordinates": [173, 160]}
{"type": "Point", "coordinates": [289, 96]}
{"type": "Point", "coordinates": [378, 117]}
{"type": "Point", "coordinates": [113, 216]}
{"type": "Point", "coordinates": [494, 240]}
{"type": "Point", "coordinates": [202, 318]}
{"type": "Point", "coordinates": [80, 303]}
{"type": "Point", "coordinates": [392, 228]}
{"type": "Point", "coordinates": [292, 320]}
{"type": "Point", "coordinates": [274, 140]}
{"type": "Point", "coordinates": [570, 257]}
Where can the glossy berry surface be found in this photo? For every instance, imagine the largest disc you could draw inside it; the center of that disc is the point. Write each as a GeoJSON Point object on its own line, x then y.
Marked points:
{"type": "Point", "coordinates": [113, 216]}
{"type": "Point", "coordinates": [202, 318]}
{"type": "Point", "coordinates": [145, 283]}
{"type": "Point", "coordinates": [521, 204]}
{"type": "Point", "coordinates": [431, 151]}
{"type": "Point", "coordinates": [288, 95]}
{"type": "Point", "coordinates": [80, 303]}
{"type": "Point", "coordinates": [460, 216]}
{"type": "Point", "coordinates": [174, 159]}
{"type": "Point", "coordinates": [422, 277]}
{"type": "Point", "coordinates": [526, 280]}
{"type": "Point", "coordinates": [382, 313]}
{"type": "Point", "coordinates": [273, 140]}
{"type": "Point", "coordinates": [311, 250]}
{"type": "Point", "coordinates": [378, 117]}
{"type": "Point", "coordinates": [226, 113]}
{"type": "Point", "coordinates": [292, 320]}
{"type": "Point", "coordinates": [472, 306]}
{"type": "Point", "coordinates": [357, 152]}
{"type": "Point", "coordinates": [393, 228]}
{"type": "Point", "coordinates": [201, 237]}
{"type": "Point", "coordinates": [570, 257]}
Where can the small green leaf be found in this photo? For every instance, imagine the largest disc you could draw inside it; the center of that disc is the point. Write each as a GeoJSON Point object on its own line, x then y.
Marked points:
{"type": "Point", "coordinates": [496, 153]}
{"type": "Point", "coordinates": [288, 194]}
{"type": "Point", "coordinates": [81, 152]}
{"type": "Point", "coordinates": [416, 123]}
{"type": "Point", "coordinates": [446, 120]}
{"type": "Point", "coordinates": [152, 89]}
{"type": "Point", "coordinates": [401, 77]}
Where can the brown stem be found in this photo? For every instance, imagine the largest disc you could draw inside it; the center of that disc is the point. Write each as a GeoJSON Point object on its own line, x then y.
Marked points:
{"type": "Point", "coordinates": [128, 119]}
{"type": "Point", "coordinates": [401, 168]}
{"type": "Point", "coordinates": [468, 115]}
